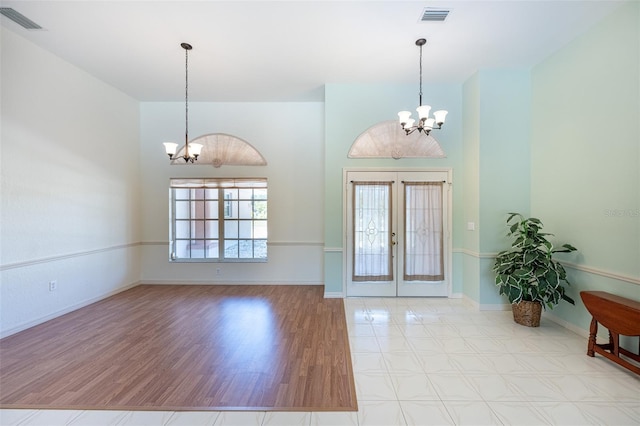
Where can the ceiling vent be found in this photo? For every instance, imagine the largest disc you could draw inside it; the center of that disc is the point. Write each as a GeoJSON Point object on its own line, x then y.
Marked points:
{"type": "Point", "coordinates": [19, 18]}
{"type": "Point", "coordinates": [430, 14]}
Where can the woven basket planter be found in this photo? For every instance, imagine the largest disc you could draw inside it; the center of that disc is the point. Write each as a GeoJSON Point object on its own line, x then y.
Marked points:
{"type": "Point", "coordinates": [527, 313]}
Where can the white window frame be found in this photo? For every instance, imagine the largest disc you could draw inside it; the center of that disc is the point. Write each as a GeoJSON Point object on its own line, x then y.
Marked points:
{"type": "Point", "coordinates": [218, 243]}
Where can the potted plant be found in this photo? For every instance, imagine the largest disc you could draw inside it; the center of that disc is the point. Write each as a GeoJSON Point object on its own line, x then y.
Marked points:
{"type": "Point", "coordinates": [527, 273]}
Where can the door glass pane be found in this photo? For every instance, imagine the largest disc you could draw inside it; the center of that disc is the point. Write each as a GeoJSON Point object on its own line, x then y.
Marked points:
{"type": "Point", "coordinates": [182, 249]}
{"type": "Point", "coordinates": [231, 229]}
{"type": "Point", "coordinates": [259, 194]}
{"type": "Point", "coordinates": [197, 229]}
{"type": "Point", "coordinates": [245, 194]}
{"type": "Point", "coordinates": [182, 228]}
{"type": "Point", "coordinates": [260, 229]}
{"type": "Point", "coordinates": [211, 194]}
{"type": "Point", "coordinates": [182, 210]}
{"type": "Point", "coordinates": [245, 249]}
{"type": "Point", "coordinates": [259, 209]}
{"type": "Point", "coordinates": [181, 193]}
{"type": "Point", "coordinates": [230, 209]}
{"type": "Point", "coordinates": [372, 231]}
{"type": "Point", "coordinates": [245, 229]}
{"type": "Point", "coordinates": [423, 242]}
{"type": "Point", "coordinates": [197, 209]}
{"type": "Point", "coordinates": [246, 209]}
{"type": "Point", "coordinates": [231, 249]}
{"type": "Point", "coordinates": [230, 203]}
{"type": "Point", "coordinates": [212, 209]}
{"type": "Point", "coordinates": [260, 249]}
{"type": "Point", "coordinates": [197, 249]}
{"type": "Point", "coordinates": [213, 250]}
{"type": "Point", "coordinates": [211, 229]}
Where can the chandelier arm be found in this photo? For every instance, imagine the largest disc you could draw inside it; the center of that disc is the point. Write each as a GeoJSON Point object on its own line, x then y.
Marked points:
{"type": "Point", "coordinates": [410, 130]}
{"type": "Point", "coordinates": [424, 124]}
{"type": "Point", "coordinates": [189, 155]}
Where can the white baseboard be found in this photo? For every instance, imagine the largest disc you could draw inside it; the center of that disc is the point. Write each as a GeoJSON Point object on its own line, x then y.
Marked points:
{"type": "Point", "coordinates": [64, 311]}
{"type": "Point", "coordinates": [486, 307]}
{"type": "Point", "coordinates": [341, 295]}
{"type": "Point", "coordinates": [495, 307]}
{"type": "Point", "coordinates": [569, 326]}
{"type": "Point", "coordinates": [475, 305]}
{"type": "Point", "coordinates": [209, 282]}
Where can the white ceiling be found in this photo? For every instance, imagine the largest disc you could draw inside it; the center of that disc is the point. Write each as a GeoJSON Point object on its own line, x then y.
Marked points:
{"type": "Point", "coordinates": [287, 50]}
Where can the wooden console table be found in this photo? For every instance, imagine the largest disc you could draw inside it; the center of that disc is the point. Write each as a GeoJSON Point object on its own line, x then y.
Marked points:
{"type": "Point", "coordinates": [620, 316]}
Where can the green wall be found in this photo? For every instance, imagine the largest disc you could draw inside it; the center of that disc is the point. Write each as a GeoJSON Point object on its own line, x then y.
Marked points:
{"type": "Point", "coordinates": [585, 156]}
{"type": "Point", "coordinates": [352, 109]}
{"type": "Point", "coordinates": [560, 141]}
{"type": "Point", "coordinates": [471, 193]}
{"type": "Point", "coordinates": [496, 143]}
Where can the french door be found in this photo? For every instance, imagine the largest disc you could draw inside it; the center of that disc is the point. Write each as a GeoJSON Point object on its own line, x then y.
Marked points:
{"type": "Point", "coordinates": [397, 233]}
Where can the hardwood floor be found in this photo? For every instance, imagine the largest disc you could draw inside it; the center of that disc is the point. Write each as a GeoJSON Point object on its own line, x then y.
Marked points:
{"type": "Point", "coordinates": [186, 348]}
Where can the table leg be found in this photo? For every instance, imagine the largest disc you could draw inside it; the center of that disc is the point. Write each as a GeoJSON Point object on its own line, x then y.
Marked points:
{"type": "Point", "coordinates": [615, 343]}
{"type": "Point", "coordinates": [593, 330]}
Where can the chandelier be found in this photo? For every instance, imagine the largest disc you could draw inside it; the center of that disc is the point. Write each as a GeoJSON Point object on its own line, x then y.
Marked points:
{"type": "Point", "coordinates": [191, 150]}
{"type": "Point", "coordinates": [425, 123]}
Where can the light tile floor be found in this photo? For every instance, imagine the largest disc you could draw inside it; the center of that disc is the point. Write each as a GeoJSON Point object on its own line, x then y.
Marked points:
{"type": "Point", "coordinates": [435, 362]}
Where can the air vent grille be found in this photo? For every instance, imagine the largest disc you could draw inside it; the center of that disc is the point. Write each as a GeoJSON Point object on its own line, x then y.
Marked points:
{"type": "Point", "coordinates": [19, 18]}
{"type": "Point", "coordinates": [434, 15]}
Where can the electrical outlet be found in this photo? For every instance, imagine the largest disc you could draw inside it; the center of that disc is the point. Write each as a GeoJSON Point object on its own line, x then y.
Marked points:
{"type": "Point", "coordinates": [53, 285]}
{"type": "Point", "coordinates": [217, 271]}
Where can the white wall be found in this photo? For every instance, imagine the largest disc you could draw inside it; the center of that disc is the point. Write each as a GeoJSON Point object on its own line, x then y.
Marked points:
{"type": "Point", "coordinates": [69, 194]}
{"type": "Point", "coordinates": [290, 136]}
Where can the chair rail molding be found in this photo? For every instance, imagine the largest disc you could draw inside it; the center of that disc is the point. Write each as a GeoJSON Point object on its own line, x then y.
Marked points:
{"type": "Point", "coordinates": [31, 262]}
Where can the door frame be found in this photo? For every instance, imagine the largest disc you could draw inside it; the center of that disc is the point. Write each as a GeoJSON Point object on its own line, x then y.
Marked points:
{"type": "Point", "coordinates": [449, 219]}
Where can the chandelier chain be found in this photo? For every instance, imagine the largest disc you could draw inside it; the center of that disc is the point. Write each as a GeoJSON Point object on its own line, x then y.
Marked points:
{"type": "Point", "coordinates": [186, 96]}
{"type": "Point", "coordinates": [420, 93]}
{"type": "Point", "coordinates": [424, 123]}
{"type": "Point", "coordinates": [191, 152]}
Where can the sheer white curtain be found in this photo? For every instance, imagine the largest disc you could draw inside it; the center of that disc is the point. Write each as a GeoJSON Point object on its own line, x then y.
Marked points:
{"type": "Point", "coordinates": [372, 231]}
{"type": "Point", "coordinates": [423, 242]}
